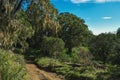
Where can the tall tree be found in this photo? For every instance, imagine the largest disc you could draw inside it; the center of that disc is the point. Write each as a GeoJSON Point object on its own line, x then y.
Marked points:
{"type": "Point", "coordinates": [10, 7]}
{"type": "Point", "coordinates": [13, 25]}
{"type": "Point", "coordinates": [103, 46]}
{"type": "Point", "coordinates": [74, 31]}
{"type": "Point", "coordinates": [42, 16]}
{"type": "Point", "coordinates": [52, 46]}
{"type": "Point", "coordinates": [118, 32]}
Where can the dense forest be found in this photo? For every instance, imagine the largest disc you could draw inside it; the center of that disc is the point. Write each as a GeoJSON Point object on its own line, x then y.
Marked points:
{"type": "Point", "coordinates": [58, 42]}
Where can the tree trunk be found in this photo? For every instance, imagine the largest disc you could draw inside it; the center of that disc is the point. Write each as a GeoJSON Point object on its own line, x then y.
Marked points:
{"type": "Point", "coordinates": [69, 50]}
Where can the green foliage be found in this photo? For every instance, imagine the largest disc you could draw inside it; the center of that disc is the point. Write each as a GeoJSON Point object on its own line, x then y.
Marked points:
{"type": "Point", "coordinates": [118, 32]}
{"type": "Point", "coordinates": [15, 33]}
{"type": "Point", "coordinates": [52, 46]}
{"type": "Point", "coordinates": [25, 33]}
{"type": "Point", "coordinates": [71, 73]}
{"type": "Point", "coordinates": [42, 16]}
{"type": "Point", "coordinates": [11, 66]}
{"type": "Point", "coordinates": [104, 45]}
{"type": "Point", "coordinates": [49, 37]}
{"type": "Point", "coordinates": [8, 24]}
{"type": "Point", "coordinates": [82, 55]}
{"type": "Point", "coordinates": [114, 56]}
{"type": "Point", "coordinates": [63, 70]}
{"type": "Point", "coordinates": [46, 62]}
{"type": "Point", "coordinates": [9, 8]}
{"type": "Point", "coordinates": [64, 57]}
{"type": "Point", "coordinates": [14, 30]}
{"type": "Point", "coordinates": [74, 31]}
{"type": "Point", "coordinates": [78, 76]}
{"type": "Point", "coordinates": [112, 73]}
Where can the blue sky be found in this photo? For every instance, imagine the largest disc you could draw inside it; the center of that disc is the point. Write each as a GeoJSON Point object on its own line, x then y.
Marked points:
{"type": "Point", "coordinates": [100, 15]}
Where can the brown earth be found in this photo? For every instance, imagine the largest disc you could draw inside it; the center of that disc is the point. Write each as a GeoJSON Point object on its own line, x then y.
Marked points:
{"type": "Point", "coordinates": [39, 74]}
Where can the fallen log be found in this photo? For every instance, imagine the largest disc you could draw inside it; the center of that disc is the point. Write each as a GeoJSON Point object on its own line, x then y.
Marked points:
{"type": "Point", "coordinates": [74, 64]}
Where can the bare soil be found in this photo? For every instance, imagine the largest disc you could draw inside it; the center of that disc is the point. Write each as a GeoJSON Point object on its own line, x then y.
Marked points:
{"type": "Point", "coordinates": [39, 74]}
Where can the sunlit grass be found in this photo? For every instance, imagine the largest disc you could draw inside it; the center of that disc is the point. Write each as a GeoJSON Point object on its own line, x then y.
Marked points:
{"type": "Point", "coordinates": [11, 66]}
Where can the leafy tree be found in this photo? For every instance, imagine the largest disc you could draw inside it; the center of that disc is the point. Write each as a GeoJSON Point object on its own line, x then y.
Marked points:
{"type": "Point", "coordinates": [74, 31]}
{"type": "Point", "coordinates": [9, 8]}
{"type": "Point", "coordinates": [82, 55]}
{"type": "Point", "coordinates": [52, 46]}
{"type": "Point", "coordinates": [42, 15]}
{"type": "Point", "coordinates": [114, 56]}
{"type": "Point", "coordinates": [14, 28]}
{"type": "Point", "coordinates": [26, 33]}
{"type": "Point", "coordinates": [118, 32]}
{"type": "Point", "coordinates": [103, 45]}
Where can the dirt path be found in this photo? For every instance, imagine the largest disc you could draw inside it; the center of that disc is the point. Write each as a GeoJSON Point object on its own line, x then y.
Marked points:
{"type": "Point", "coordinates": [38, 74]}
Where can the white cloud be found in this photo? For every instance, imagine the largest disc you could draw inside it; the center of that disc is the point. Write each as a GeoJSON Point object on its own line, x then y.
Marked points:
{"type": "Point", "coordinates": [102, 1]}
{"type": "Point", "coordinates": [106, 17]}
{"type": "Point", "coordinates": [79, 1]}
{"type": "Point", "coordinates": [94, 1]}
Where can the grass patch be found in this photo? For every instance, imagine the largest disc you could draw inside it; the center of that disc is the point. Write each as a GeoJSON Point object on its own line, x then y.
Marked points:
{"type": "Point", "coordinates": [11, 66]}
{"type": "Point", "coordinates": [85, 72]}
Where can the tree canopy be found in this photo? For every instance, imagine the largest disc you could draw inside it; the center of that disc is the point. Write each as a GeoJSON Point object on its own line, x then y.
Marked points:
{"type": "Point", "coordinates": [42, 15]}
{"type": "Point", "coordinates": [74, 31]}
{"type": "Point", "coordinates": [60, 41]}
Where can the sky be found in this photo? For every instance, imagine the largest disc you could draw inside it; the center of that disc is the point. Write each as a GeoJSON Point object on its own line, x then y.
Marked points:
{"type": "Point", "coordinates": [100, 15]}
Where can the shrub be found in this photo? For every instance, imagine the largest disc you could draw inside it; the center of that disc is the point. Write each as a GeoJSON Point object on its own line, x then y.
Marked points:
{"type": "Point", "coordinates": [63, 70]}
{"type": "Point", "coordinates": [81, 55]}
{"type": "Point", "coordinates": [47, 62]}
{"type": "Point", "coordinates": [76, 75]}
{"type": "Point", "coordinates": [52, 46]}
{"type": "Point", "coordinates": [11, 66]}
{"type": "Point", "coordinates": [64, 57]}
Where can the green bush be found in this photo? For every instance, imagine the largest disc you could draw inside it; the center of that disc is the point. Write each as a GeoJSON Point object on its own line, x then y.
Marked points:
{"type": "Point", "coordinates": [48, 62]}
{"type": "Point", "coordinates": [64, 57]}
{"type": "Point", "coordinates": [63, 70]}
{"type": "Point", "coordinates": [53, 65]}
{"type": "Point", "coordinates": [113, 73]}
{"type": "Point", "coordinates": [81, 55]}
{"type": "Point", "coordinates": [11, 66]}
{"type": "Point", "coordinates": [76, 75]}
{"type": "Point", "coordinates": [52, 46]}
